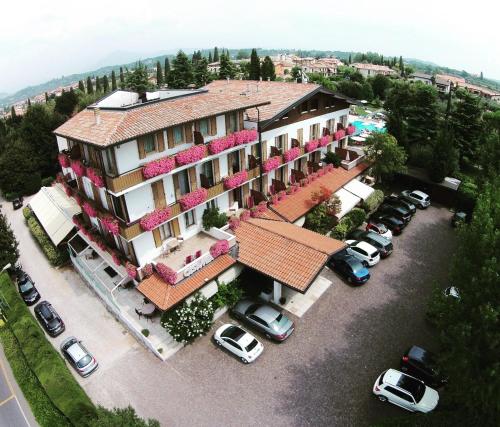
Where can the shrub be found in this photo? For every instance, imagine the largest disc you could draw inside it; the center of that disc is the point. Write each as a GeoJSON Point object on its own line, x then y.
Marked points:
{"type": "Point", "coordinates": [124, 417]}
{"type": "Point", "coordinates": [357, 216]}
{"type": "Point", "coordinates": [331, 158]}
{"type": "Point", "coordinates": [47, 182]}
{"type": "Point", "coordinates": [32, 183]}
{"type": "Point", "coordinates": [27, 212]}
{"type": "Point", "coordinates": [319, 220]}
{"type": "Point", "coordinates": [373, 201]}
{"type": "Point", "coordinates": [55, 255]}
{"type": "Point", "coordinates": [342, 229]}
{"type": "Point", "coordinates": [145, 332]}
{"type": "Point", "coordinates": [228, 294]}
{"type": "Point", "coordinates": [11, 196]}
{"type": "Point", "coordinates": [190, 319]}
{"type": "Point", "coordinates": [420, 155]}
{"type": "Point", "coordinates": [212, 217]}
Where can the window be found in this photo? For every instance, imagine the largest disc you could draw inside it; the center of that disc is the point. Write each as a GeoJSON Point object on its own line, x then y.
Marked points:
{"type": "Point", "coordinates": [204, 127]}
{"type": "Point", "coordinates": [212, 204]}
{"type": "Point", "coordinates": [183, 179]}
{"type": "Point", "coordinates": [314, 104]}
{"type": "Point", "coordinates": [258, 320]}
{"type": "Point", "coordinates": [234, 159]}
{"type": "Point", "coordinates": [281, 142]}
{"type": "Point", "coordinates": [178, 132]}
{"type": "Point", "coordinates": [314, 131]}
{"type": "Point", "coordinates": [233, 121]}
{"type": "Point", "coordinates": [118, 207]}
{"type": "Point", "coordinates": [165, 231]}
{"type": "Point", "coordinates": [231, 342]}
{"type": "Point", "coordinates": [149, 144]}
{"type": "Point", "coordinates": [400, 394]}
{"type": "Point", "coordinates": [303, 107]}
{"type": "Point", "coordinates": [330, 124]}
{"type": "Point", "coordinates": [189, 218]}
{"type": "Point", "coordinates": [208, 171]}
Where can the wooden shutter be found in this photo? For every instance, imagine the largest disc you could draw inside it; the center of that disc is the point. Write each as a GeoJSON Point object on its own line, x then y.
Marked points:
{"type": "Point", "coordinates": [79, 180]}
{"type": "Point", "coordinates": [157, 237]}
{"type": "Point", "coordinates": [160, 141]}
{"type": "Point", "coordinates": [285, 143]}
{"type": "Point", "coordinates": [264, 150]}
{"type": "Point", "coordinates": [110, 201]}
{"type": "Point", "coordinates": [197, 125]}
{"type": "Point", "coordinates": [229, 163]}
{"type": "Point", "coordinates": [175, 227]}
{"type": "Point", "coordinates": [240, 120]}
{"type": "Point", "coordinates": [216, 170]}
{"type": "Point", "coordinates": [192, 178]}
{"type": "Point", "coordinates": [140, 146]}
{"type": "Point", "coordinates": [177, 190]}
{"type": "Point", "coordinates": [285, 174]}
{"type": "Point", "coordinates": [246, 194]}
{"type": "Point", "coordinates": [265, 188]}
{"type": "Point", "coordinates": [228, 123]}
{"type": "Point", "coordinates": [170, 138]}
{"type": "Point", "coordinates": [242, 159]}
{"type": "Point", "coordinates": [97, 196]}
{"type": "Point", "coordinates": [159, 194]}
{"type": "Point", "coordinates": [212, 126]}
{"type": "Point", "coordinates": [300, 136]}
{"type": "Point", "coordinates": [188, 132]}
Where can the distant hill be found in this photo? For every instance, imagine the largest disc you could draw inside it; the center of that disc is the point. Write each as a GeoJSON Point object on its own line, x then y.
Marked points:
{"type": "Point", "coordinates": [7, 100]}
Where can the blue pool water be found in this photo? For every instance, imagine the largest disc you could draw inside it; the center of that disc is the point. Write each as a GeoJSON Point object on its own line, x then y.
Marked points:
{"type": "Point", "coordinates": [360, 126]}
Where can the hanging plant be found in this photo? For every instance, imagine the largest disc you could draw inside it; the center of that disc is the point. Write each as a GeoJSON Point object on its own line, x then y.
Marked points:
{"type": "Point", "coordinates": [111, 224]}
{"type": "Point", "coordinates": [311, 145]}
{"type": "Point", "coordinates": [166, 273]}
{"type": "Point", "coordinates": [158, 167]}
{"type": "Point", "coordinates": [291, 154]}
{"type": "Point", "coordinates": [131, 270]}
{"type": "Point", "coordinates": [78, 168]}
{"type": "Point", "coordinates": [272, 163]}
{"type": "Point", "coordinates": [63, 160]}
{"type": "Point", "coordinates": [95, 177]}
{"type": "Point", "coordinates": [193, 199]}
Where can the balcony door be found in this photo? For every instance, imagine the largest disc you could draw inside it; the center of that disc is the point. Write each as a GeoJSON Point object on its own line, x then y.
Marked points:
{"type": "Point", "coordinates": [207, 174]}
{"type": "Point", "coordinates": [181, 183]}
{"type": "Point", "coordinates": [234, 162]}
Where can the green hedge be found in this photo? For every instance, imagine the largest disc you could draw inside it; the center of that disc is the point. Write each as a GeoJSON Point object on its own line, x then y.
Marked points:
{"type": "Point", "coordinates": [55, 255]}
{"type": "Point", "coordinates": [373, 201]}
{"type": "Point", "coordinates": [45, 362]}
{"type": "Point", "coordinates": [357, 216]}
{"type": "Point", "coordinates": [342, 229]}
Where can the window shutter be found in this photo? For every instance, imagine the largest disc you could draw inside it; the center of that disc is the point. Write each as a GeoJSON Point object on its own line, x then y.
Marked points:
{"type": "Point", "coordinates": [213, 126]}
{"type": "Point", "coordinates": [285, 174]}
{"type": "Point", "coordinates": [264, 151]}
{"type": "Point", "coordinates": [246, 194]}
{"type": "Point", "coordinates": [175, 227]}
{"type": "Point", "coordinates": [197, 125]}
{"type": "Point", "coordinates": [300, 136]}
{"type": "Point", "coordinates": [175, 179]}
{"type": "Point", "coordinates": [192, 178]}
{"type": "Point", "coordinates": [170, 138]}
{"type": "Point", "coordinates": [285, 142]}
{"type": "Point", "coordinates": [97, 197]}
{"type": "Point", "coordinates": [228, 123]}
{"type": "Point", "coordinates": [216, 170]}
{"type": "Point", "coordinates": [140, 146]}
{"type": "Point", "coordinates": [188, 132]}
{"type": "Point", "coordinates": [242, 159]}
{"type": "Point", "coordinates": [160, 141]}
{"type": "Point", "coordinates": [157, 237]}
{"type": "Point", "coordinates": [240, 120]}
{"type": "Point", "coordinates": [110, 202]}
{"type": "Point", "coordinates": [159, 194]}
{"type": "Point", "coordinates": [230, 163]}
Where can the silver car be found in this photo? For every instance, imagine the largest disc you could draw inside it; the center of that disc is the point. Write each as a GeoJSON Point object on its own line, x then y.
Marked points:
{"type": "Point", "coordinates": [265, 318]}
{"type": "Point", "coordinates": [78, 356]}
{"type": "Point", "coordinates": [417, 197]}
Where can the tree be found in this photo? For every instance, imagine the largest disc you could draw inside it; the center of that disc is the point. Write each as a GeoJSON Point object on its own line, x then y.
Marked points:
{"type": "Point", "coordinates": [397, 106]}
{"type": "Point", "coordinates": [444, 156]}
{"type": "Point", "coordinates": [123, 417]}
{"type": "Point", "coordinates": [166, 69]}
{"type": "Point", "coordinates": [81, 87]}
{"type": "Point", "coordinates": [47, 95]}
{"type": "Point", "coordinates": [227, 69]}
{"type": "Point", "coordinates": [254, 71]}
{"type": "Point", "coordinates": [9, 252]}
{"type": "Point", "coordinates": [13, 113]}
{"type": "Point", "coordinates": [159, 74]}
{"type": "Point", "coordinates": [201, 74]}
{"type": "Point", "coordinates": [105, 83]}
{"type": "Point", "coordinates": [210, 60]}
{"type": "Point", "coordinates": [29, 103]}
{"type": "Point", "coordinates": [113, 81]}
{"type": "Point", "coordinates": [319, 220]}
{"type": "Point", "coordinates": [90, 87]}
{"type": "Point", "coordinates": [137, 79]}
{"type": "Point", "coordinates": [181, 76]}
{"type": "Point", "coordinates": [401, 66]}
{"type": "Point", "coordinates": [216, 54]}
{"type": "Point", "coordinates": [481, 75]}
{"type": "Point", "coordinates": [267, 70]}
{"type": "Point", "coordinates": [380, 85]}
{"type": "Point", "coordinates": [387, 156]}
{"type": "Point", "coordinates": [366, 91]}
{"type": "Point", "coordinates": [242, 54]}
{"type": "Point", "coordinates": [356, 76]}
{"type": "Point", "coordinates": [122, 79]}
{"type": "Point", "coordinates": [349, 61]}
{"type": "Point", "coordinates": [66, 103]}
{"type": "Point", "coordinates": [98, 84]}
{"type": "Point", "coordinates": [422, 114]}
{"type": "Point", "coordinates": [296, 74]}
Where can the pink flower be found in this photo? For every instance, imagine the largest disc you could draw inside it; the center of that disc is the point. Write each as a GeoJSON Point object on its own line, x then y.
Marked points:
{"type": "Point", "coordinates": [282, 195]}
{"type": "Point", "coordinates": [101, 245]}
{"type": "Point", "coordinates": [220, 247]}
{"type": "Point", "coordinates": [166, 273]}
{"type": "Point", "coordinates": [158, 167]}
{"type": "Point", "coordinates": [291, 154]}
{"type": "Point", "coordinates": [351, 129]}
{"type": "Point", "coordinates": [111, 224]}
{"type": "Point", "coordinates": [272, 163]}
{"type": "Point", "coordinates": [131, 270]}
{"type": "Point", "coordinates": [193, 199]}
{"type": "Point", "coordinates": [329, 167]}
{"type": "Point", "coordinates": [324, 141]}
{"type": "Point", "coordinates": [235, 180]}
{"type": "Point", "coordinates": [89, 209]}
{"type": "Point", "coordinates": [78, 199]}
{"type": "Point", "coordinates": [191, 155]}
{"type": "Point", "coordinates": [155, 218]}
{"type": "Point", "coordinates": [220, 144]}
{"type": "Point", "coordinates": [339, 134]}
{"type": "Point", "coordinates": [63, 160]}
{"type": "Point", "coordinates": [311, 145]}
{"type": "Point", "coordinates": [244, 136]}
{"type": "Point", "coordinates": [147, 270]}
{"type": "Point", "coordinates": [78, 168]}
{"type": "Point", "coordinates": [95, 177]}
{"type": "Point", "coordinates": [234, 223]}
{"type": "Point", "coordinates": [245, 215]}
{"type": "Point", "coordinates": [275, 199]}
{"type": "Point", "coordinates": [262, 206]}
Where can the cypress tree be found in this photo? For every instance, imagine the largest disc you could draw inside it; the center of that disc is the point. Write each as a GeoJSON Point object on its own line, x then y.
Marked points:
{"type": "Point", "coordinates": [350, 59]}
{"type": "Point", "coordinates": [382, 60]}
{"type": "Point", "coordinates": [47, 95]}
{"type": "Point", "coordinates": [167, 69]}
{"type": "Point", "coordinates": [401, 66]}
{"type": "Point", "coordinates": [481, 75]}
{"type": "Point", "coordinates": [122, 79]}
{"type": "Point", "coordinates": [98, 84]}
{"type": "Point", "coordinates": [29, 103]}
{"type": "Point", "coordinates": [181, 75]}
{"type": "Point", "coordinates": [105, 83]}
{"type": "Point", "coordinates": [81, 86]}
{"type": "Point", "coordinates": [216, 54]}
{"type": "Point", "coordinates": [159, 74]}
{"type": "Point", "coordinates": [254, 73]}
{"type": "Point", "coordinates": [113, 80]}
{"type": "Point", "coordinates": [12, 113]}
{"type": "Point", "coordinates": [210, 57]}
{"type": "Point", "coordinates": [9, 252]}
{"type": "Point", "coordinates": [267, 69]}
{"type": "Point", "coordinates": [90, 87]}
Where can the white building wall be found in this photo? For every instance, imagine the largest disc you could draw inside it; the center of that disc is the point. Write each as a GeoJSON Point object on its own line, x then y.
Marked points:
{"type": "Point", "coordinates": [145, 249]}
{"type": "Point", "coordinates": [168, 185]}
{"type": "Point", "coordinates": [139, 202]}
{"type": "Point", "coordinates": [127, 156]}
{"type": "Point", "coordinates": [62, 143]}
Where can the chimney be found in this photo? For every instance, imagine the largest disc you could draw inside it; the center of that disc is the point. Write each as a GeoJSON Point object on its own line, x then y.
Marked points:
{"type": "Point", "coordinates": [97, 116]}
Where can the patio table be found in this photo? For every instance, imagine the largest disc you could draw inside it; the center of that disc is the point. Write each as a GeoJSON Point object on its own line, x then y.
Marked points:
{"type": "Point", "coordinates": [148, 309]}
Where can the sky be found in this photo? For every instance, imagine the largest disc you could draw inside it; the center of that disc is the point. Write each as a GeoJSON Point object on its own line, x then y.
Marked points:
{"type": "Point", "coordinates": [41, 40]}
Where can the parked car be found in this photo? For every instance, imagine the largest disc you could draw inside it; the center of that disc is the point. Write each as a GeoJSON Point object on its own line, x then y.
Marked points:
{"type": "Point", "coordinates": [366, 253]}
{"type": "Point", "coordinates": [17, 203]}
{"type": "Point", "coordinates": [349, 267]}
{"type": "Point", "coordinates": [383, 245]}
{"type": "Point", "coordinates": [239, 342]}
{"type": "Point", "coordinates": [379, 228]}
{"type": "Point", "coordinates": [398, 211]}
{"type": "Point", "coordinates": [78, 356]}
{"type": "Point", "coordinates": [392, 223]}
{"type": "Point", "coordinates": [27, 289]}
{"type": "Point", "coordinates": [458, 218]}
{"type": "Point", "coordinates": [49, 319]}
{"type": "Point", "coordinates": [405, 391]}
{"type": "Point", "coordinates": [452, 292]}
{"type": "Point", "coordinates": [396, 200]}
{"type": "Point", "coordinates": [265, 318]}
{"type": "Point", "coordinates": [421, 364]}
{"type": "Point", "coordinates": [417, 197]}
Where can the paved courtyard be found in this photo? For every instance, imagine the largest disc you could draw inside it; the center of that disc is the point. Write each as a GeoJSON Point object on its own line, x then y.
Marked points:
{"type": "Point", "coordinates": [321, 376]}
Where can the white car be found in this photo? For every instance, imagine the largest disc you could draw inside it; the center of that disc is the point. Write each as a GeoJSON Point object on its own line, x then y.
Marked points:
{"type": "Point", "coordinates": [453, 292]}
{"type": "Point", "coordinates": [405, 391]}
{"type": "Point", "coordinates": [418, 198]}
{"type": "Point", "coordinates": [379, 228]}
{"type": "Point", "coordinates": [366, 253]}
{"type": "Point", "coordinates": [239, 342]}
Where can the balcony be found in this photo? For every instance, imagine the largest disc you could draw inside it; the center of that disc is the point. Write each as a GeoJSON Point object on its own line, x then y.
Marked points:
{"type": "Point", "coordinates": [127, 180]}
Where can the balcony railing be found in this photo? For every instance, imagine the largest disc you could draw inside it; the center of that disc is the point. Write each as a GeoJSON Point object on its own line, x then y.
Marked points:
{"type": "Point", "coordinates": [127, 180]}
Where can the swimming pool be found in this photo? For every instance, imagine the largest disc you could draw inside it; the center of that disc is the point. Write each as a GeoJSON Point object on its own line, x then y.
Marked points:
{"type": "Point", "coordinates": [368, 126]}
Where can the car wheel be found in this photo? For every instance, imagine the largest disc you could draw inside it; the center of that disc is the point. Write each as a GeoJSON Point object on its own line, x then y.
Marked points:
{"type": "Point", "coordinates": [218, 342]}
{"type": "Point", "coordinates": [382, 398]}
{"type": "Point", "coordinates": [245, 361]}
{"type": "Point", "coordinates": [349, 279]}
{"type": "Point", "coordinates": [365, 263]}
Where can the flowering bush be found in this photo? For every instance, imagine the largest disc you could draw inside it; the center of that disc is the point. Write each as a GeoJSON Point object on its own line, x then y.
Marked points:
{"type": "Point", "coordinates": [89, 209]}
{"type": "Point", "coordinates": [272, 163]}
{"type": "Point", "coordinates": [329, 168]}
{"type": "Point", "coordinates": [282, 195]}
{"type": "Point", "coordinates": [339, 134]}
{"type": "Point", "coordinates": [304, 182]}
{"type": "Point", "coordinates": [324, 141]}
{"type": "Point", "coordinates": [351, 129]}
{"type": "Point", "coordinates": [95, 177]}
{"type": "Point", "coordinates": [245, 215]}
{"type": "Point", "coordinates": [275, 199]}
{"type": "Point", "coordinates": [191, 155]}
{"type": "Point", "coordinates": [116, 258]}
{"type": "Point", "coordinates": [220, 247]}
{"type": "Point", "coordinates": [155, 218]}
{"type": "Point", "coordinates": [311, 145]}
{"type": "Point", "coordinates": [244, 136]}
{"type": "Point", "coordinates": [220, 144]}
{"type": "Point", "coordinates": [190, 320]}
{"type": "Point", "coordinates": [235, 180]}
{"type": "Point", "coordinates": [166, 273]}
{"type": "Point", "coordinates": [111, 224]}
{"type": "Point", "coordinates": [291, 154]}
{"type": "Point", "coordinates": [234, 223]}
{"type": "Point", "coordinates": [158, 167]}
{"type": "Point", "coordinates": [78, 168]}
{"type": "Point", "coordinates": [131, 270]}
{"type": "Point", "coordinates": [147, 270]}
{"type": "Point", "coordinates": [193, 199]}
{"type": "Point", "coordinates": [63, 160]}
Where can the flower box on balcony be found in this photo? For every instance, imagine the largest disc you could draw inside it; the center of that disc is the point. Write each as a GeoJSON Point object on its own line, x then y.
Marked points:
{"type": "Point", "coordinates": [166, 273]}
{"type": "Point", "coordinates": [339, 134]}
{"type": "Point", "coordinates": [111, 224]}
{"type": "Point", "coordinates": [158, 167]}
{"type": "Point", "coordinates": [63, 160]}
{"type": "Point", "coordinates": [220, 247]}
{"type": "Point", "coordinates": [131, 270]}
{"type": "Point", "coordinates": [238, 138]}
{"type": "Point", "coordinates": [155, 218]}
{"type": "Point", "coordinates": [193, 199]}
{"type": "Point", "coordinates": [95, 177]}
{"type": "Point", "coordinates": [291, 154]}
{"type": "Point", "coordinates": [351, 129]}
{"type": "Point", "coordinates": [89, 209]}
{"type": "Point", "coordinates": [272, 163]}
{"type": "Point", "coordinates": [244, 136]}
{"type": "Point", "coordinates": [78, 168]}
{"type": "Point", "coordinates": [324, 141]}
{"type": "Point", "coordinates": [311, 145]}
{"type": "Point", "coordinates": [235, 180]}
{"type": "Point", "coordinates": [191, 155]}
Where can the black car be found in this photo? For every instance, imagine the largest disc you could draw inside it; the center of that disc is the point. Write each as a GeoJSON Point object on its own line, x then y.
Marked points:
{"type": "Point", "coordinates": [420, 363]}
{"type": "Point", "coordinates": [391, 222]}
{"type": "Point", "coordinates": [27, 289]}
{"type": "Point", "coordinates": [349, 267]}
{"type": "Point", "coordinates": [398, 211]}
{"type": "Point", "coordinates": [383, 245]}
{"type": "Point", "coordinates": [49, 319]}
{"type": "Point", "coordinates": [17, 203]}
{"type": "Point", "coordinates": [395, 200]}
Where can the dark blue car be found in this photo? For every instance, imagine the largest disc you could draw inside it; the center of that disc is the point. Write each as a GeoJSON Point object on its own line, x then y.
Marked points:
{"type": "Point", "coordinates": [349, 267]}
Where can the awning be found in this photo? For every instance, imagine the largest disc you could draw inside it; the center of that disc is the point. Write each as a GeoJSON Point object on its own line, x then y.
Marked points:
{"type": "Point", "coordinates": [348, 200]}
{"type": "Point", "coordinates": [55, 211]}
{"type": "Point", "coordinates": [359, 189]}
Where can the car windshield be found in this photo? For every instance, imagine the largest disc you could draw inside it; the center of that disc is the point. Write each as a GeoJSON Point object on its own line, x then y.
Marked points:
{"type": "Point", "coordinates": [251, 346]}
{"type": "Point", "coordinates": [234, 333]}
{"type": "Point", "coordinates": [46, 313]}
{"type": "Point", "coordinates": [415, 387]}
{"type": "Point", "coordinates": [26, 286]}
{"type": "Point", "coordinates": [356, 266]}
{"type": "Point", "coordinates": [279, 322]}
{"type": "Point", "coordinates": [382, 228]}
{"type": "Point", "coordinates": [84, 361]}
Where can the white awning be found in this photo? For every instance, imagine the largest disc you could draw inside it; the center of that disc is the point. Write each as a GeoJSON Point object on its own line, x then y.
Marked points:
{"type": "Point", "coordinates": [359, 189]}
{"type": "Point", "coordinates": [348, 200]}
{"type": "Point", "coordinates": [55, 210]}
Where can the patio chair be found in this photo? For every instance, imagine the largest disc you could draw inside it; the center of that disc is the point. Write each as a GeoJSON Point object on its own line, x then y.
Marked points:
{"type": "Point", "coordinates": [198, 254]}
{"type": "Point", "coordinates": [189, 258]}
{"type": "Point", "coordinates": [138, 313]}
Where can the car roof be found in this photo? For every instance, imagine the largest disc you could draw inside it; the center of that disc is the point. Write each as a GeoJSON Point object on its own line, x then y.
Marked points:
{"type": "Point", "coordinates": [420, 354]}
{"type": "Point", "coordinates": [366, 246]}
{"type": "Point", "coordinates": [76, 351]}
{"type": "Point", "coordinates": [267, 313]}
{"type": "Point", "coordinates": [420, 193]}
{"type": "Point", "coordinates": [392, 377]}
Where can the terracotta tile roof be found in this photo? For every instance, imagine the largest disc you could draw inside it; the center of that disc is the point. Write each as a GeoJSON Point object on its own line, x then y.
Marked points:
{"type": "Point", "coordinates": [269, 214]}
{"type": "Point", "coordinates": [116, 126]}
{"type": "Point", "coordinates": [165, 296]}
{"type": "Point", "coordinates": [294, 260]}
{"type": "Point", "coordinates": [375, 67]}
{"type": "Point", "coordinates": [298, 204]}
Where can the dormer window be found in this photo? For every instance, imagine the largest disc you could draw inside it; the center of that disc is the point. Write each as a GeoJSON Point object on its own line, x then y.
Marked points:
{"type": "Point", "coordinates": [149, 143]}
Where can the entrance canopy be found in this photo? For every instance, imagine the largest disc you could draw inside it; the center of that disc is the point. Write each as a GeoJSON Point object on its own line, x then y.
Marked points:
{"type": "Point", "coordinates": [55, 211]}
{"type": "Point", "coordinates": [359, 189]}
{"type": "Point", "coordinates": [348, 201]}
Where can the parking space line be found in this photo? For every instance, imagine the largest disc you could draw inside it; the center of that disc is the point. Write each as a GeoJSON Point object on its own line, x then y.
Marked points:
{"type": "Point", "coordinates": [22, 412]}
{"type": "Point", "coordinates": [12, 396]}
{"type": "Point", "coordinates": [4, 372]}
